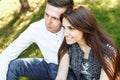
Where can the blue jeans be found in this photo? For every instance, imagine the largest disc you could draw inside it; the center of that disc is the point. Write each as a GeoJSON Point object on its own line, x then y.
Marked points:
{"type": "Point", "coordinates": [34, 68]}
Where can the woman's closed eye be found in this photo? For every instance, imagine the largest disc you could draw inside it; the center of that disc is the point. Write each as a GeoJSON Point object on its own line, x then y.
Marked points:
{"type": "Point", "coordinates": [71, 28]}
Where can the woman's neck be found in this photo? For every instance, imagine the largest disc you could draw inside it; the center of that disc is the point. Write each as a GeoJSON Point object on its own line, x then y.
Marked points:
{"type": "Point", "coordinates": [86, 49]}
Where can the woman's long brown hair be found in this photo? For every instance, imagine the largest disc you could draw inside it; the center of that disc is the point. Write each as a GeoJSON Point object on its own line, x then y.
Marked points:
{"type": "Point", "coordinates": [102, 45]}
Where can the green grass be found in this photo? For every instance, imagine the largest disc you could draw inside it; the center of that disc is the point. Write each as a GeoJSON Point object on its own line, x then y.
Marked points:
{"type": "Point", "coordinates": [13, 22]}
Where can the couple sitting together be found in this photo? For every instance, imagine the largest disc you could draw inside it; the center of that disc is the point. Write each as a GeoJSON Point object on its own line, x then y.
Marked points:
{"type": "Point", "coordinates": [73, 44]}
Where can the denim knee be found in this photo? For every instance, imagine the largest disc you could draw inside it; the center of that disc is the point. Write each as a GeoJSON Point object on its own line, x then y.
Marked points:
{"type": "Point", "coordinates": [14, 66]}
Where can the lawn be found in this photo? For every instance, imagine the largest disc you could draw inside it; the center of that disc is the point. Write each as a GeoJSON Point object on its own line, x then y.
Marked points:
{"type": "Point", "coordinates": [13, 22]}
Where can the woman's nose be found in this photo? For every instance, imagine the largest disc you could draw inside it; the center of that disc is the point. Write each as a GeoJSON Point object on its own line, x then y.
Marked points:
{"type": "Point", "coordinates": [66, 32]}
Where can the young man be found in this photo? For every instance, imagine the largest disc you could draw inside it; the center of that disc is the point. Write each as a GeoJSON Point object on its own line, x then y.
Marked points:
{"type": "Point", "coordinates": [48, 35]}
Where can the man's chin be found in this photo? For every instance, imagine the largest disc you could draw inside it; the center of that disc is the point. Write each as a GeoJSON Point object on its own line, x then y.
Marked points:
{"type": "Point", "coordinates": [52, 31]}
{"type": "Point", "coordinates": [48, 29]}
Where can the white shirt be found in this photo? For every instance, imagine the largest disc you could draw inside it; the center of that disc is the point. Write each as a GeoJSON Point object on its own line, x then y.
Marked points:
{"type": "Point", "coordinates": [48, 43]}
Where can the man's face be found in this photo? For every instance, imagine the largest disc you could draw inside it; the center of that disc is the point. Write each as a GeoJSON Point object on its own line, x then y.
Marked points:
{"type": "Point", "coordinates": [52, 18]}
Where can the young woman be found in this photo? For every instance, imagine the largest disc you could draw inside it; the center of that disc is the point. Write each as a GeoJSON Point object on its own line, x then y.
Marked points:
{"type": "Point", "coordinates": [90, 51]}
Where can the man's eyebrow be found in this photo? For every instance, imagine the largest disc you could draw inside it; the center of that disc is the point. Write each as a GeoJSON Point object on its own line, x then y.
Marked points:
{"type": "Point", "coordinates": [55, 17]}
{"type": "Point", "coordinates": [52, 16]}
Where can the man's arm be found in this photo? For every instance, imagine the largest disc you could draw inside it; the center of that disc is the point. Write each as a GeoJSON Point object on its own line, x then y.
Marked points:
{"type": "Point", "coordinates": [13, 51]}
{"type": "Point", "coordinates": [63, 68]}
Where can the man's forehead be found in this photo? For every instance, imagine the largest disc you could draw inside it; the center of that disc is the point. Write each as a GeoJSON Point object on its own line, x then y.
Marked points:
{"type": "Point", "coordinates": [54, 11]}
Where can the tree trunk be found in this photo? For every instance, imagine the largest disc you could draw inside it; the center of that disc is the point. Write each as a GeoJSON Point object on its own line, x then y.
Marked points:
{"type": "Point", "coordinates": [24, 5]}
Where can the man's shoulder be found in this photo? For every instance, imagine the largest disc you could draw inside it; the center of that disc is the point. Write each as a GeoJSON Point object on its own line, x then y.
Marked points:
{"type": "Point", "coordinates": [37, 25]}
{"type": "Point", "coordinates": [41, 21]}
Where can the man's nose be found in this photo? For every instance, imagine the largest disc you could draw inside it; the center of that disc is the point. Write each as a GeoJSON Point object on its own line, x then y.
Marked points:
{"type": "Point", "coordinates": [49, 20]}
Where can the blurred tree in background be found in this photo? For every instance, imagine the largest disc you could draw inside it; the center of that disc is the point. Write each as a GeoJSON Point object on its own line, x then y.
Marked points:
{"type": "Point", "coordinates": [24, 5]}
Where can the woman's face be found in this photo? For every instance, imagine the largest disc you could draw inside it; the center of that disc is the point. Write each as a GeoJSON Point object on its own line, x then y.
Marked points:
{"type": "Point", "coordinates": [72, 35]}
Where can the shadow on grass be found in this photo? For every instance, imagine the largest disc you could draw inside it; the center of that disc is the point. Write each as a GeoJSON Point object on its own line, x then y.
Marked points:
{"type": "Point", "coordinates": [13, 28]}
